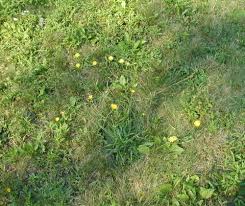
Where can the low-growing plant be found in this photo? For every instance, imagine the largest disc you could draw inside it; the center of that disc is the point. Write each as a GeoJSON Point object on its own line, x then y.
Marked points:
{"type": "Point", "coordinates": [122, 133]}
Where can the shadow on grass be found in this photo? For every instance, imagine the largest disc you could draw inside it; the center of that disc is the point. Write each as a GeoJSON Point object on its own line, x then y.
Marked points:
{"type": "Point", "coordinates": [216, 41]}
{"type": "Point", "coordinates": [211, 47]}
{"type": "Point", "coordinates": [239, 199]}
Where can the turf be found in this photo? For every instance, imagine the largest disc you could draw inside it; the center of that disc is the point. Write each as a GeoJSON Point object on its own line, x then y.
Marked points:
{"type": "Point", "coordinates": [122, 103]}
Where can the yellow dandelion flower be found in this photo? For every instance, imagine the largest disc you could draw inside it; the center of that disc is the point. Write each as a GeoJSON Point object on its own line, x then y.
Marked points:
{"type": "Point", "coordinates": [110, 58]}
{"type": "Point", "coordinates": [121, 61]}
{"type": "Point", "coordinates": [57, 119]}
{"type": "Point", "coordinates": [8, 189]}
{"type": "Point", "coordinates": [77, 55]}
{"type": "Point", "coordinates": [114, 106]}
{"type": "Point", "coordinates": [78, 65]}
{"type": "Point", "coordinates": [197, 123]}
{"type": "Point", "coordinates": [90, 97]}
{"type": "Point", "coordinates": [94, 63]}
{"type": "Point", "coordinates": [172, 139]}
{"type": "Point", "coordinates": [132, 91]}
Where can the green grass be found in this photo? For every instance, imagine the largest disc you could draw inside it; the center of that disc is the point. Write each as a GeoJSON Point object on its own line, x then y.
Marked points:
{"type": "Point", "coordinates": [183, 61]}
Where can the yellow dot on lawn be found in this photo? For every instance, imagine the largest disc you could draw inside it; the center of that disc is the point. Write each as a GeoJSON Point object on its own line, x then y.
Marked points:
{"type": "Point", "coordinates": [8, 189]}
{"type": "Point", "coordinates": [77, 55]}
{"type": "Point", "coordinates": [78, 65]}
{"type": "Point", "coordinates": [62, 113]}
{"type": "Point", "coordinates": [94, 63]}
{"type": "Point", "coordinates": [57, 119]}
{"type": "Point", "coordinates": [114, 106]}
{"type": "Point", "coordinates": [197, 123]}
{"type": "Point", "coordinates": [132, 91]}
{"type": "Point", "coordinates": [90, 97]}
{"type": "Point", "coordinates": [110, 58]}
{"type": "Point", "coordinates": [172, 139]}
{"type": "Point", "coordinates": [121, 61]}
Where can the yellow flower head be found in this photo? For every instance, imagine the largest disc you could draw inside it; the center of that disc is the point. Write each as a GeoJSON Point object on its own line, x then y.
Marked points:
{"type": "Point", "coordinates": [90, 97]}
{"type": "Point", "coordinates": [78, 65]}
{"type": "Point", "coordinates": [121, 61]}
{"type": "Point", "coordinates": [8, 189]}
{"type": "Point", "coordinates": [94, 63]}
{"type": "Point", "coordinates": [132, 91]}
{"type": "Point", "coordinates": [57, 119]}
{"type": "Point", "coordinates": [77, 55]}
{"type": "Point", "coordinates": [110, 58]}
{"type": "Point", "coordinates": [62, 113]}
{"type": "Point", "coordinates": [197, 123]}
{"type": "Point", "coordinates": [114, 106]}
{"type": "Point", "coordinates": [172, 139]}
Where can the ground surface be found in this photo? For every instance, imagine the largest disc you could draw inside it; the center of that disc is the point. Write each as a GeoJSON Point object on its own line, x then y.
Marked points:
{"type": "Point", "coordinates": [119, 103]}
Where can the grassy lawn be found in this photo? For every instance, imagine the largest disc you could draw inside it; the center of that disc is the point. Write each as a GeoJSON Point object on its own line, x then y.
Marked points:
{"type": "Point", "coordinates": [122, 102]}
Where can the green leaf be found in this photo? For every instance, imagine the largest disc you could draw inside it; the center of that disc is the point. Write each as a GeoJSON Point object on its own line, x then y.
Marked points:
{"type": "Point", "coordinates": [157, 141]}
{"type": "Point", "coordinates": [137, 44]}
{"type": "Point", "coordinates": [177, 149]}
{"type": "Point", "coordinates": [149, 144]}
{"type": "Point", "coordinates": [183, 197]}
{"type": "Point", "coordinates": [191, 194]}
{"type": "Point", "coordinates": [175, 202]}
{"type": "Point", "coordinates": [195, 178]}
{"type": "Point", "coordinates": [73, 101]}
{"type": "Point", "coordinates": [42, 91]}
{"type": "Point", "coordinates": [122, 80]}
{"type": "Point", "coordinates": [123, 4]}
{"type": "Point", "coordinates": [116, 85]}
{"type": "Point", "coordinates": [206, 193]}
{"type": "Point", "coordinates": [166, 188]}
{"type": "Point", "coordinates": [144, 149]}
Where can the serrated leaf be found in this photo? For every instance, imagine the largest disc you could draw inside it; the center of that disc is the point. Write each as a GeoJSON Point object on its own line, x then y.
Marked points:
{"type": "Point", "coordinates": [73, 101]}
{"type": "Point", "coordinates": [144, 149]}
{"type": "Point", "coordinates": [149, 144]}
{"type": "Point", "coordinates": [206, 193]}
{"type": "Point", "coordinates": [122, 80]}
{"type": "Point", "coordinates": [183, 197]}
{"type": "Point", "coordinates": [166, 188]}
{"type": "Point", "coordinates": [157, 141]}
{"type": "Point", "coordinates": [191, 194]}
{"type": "Point", "coordinates": [175, 202]}
{"type": "Point", "coordinates": [195, 178]}
{"type": "Point", "coordinates": [116, 85]}
{"type": "Point", "coordinates": [177, 149]}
